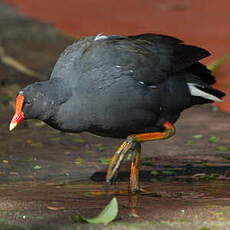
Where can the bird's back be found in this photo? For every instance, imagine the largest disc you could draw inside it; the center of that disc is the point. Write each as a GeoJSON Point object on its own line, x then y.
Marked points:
{"type": "Point", "coordinates": [131, 83]}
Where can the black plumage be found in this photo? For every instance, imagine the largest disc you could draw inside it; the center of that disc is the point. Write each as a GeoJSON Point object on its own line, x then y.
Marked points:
{"type": "Point", "coordinates": [132, 87]}
{"type": "Point", "coordinates": [120, 85]}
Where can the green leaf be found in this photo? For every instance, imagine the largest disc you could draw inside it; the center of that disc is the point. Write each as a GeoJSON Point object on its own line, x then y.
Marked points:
{"type": "Point", "coordinates": [213, 139]}
{"type": "Point", "coordinates": [37, 167]}
{"type": "Point", "coordinates": [222, 148]}
{"type": "Point", "coordinates": [215, 66]}
{"type": "Point", "coordinates": [154, 173]}
{"type": "Point", "coordinates": [79, 161]}
{"type": "Point", "coordinates": [168, 172]}
{"type": "Point", "coordinates": [104, 160]}
{"type": "Point", "coordinates": [108, 214]}
{"type": "Point", "coordinates": [205, 228]}
{"type": "Point", "coordinates": [197, 136]}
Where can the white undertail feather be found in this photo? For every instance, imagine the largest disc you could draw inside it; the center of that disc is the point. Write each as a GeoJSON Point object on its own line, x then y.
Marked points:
{"type": "Point", "coordinates": [199, 93]}
{"type": "Point", "coordinates": [100, 37]}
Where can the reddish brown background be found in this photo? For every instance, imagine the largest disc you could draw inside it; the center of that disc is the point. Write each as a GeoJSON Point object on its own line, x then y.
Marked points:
{"type": "Point", "coordinates": [205, 23]}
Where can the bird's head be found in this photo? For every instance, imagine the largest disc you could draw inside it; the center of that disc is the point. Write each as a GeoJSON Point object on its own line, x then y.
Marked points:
{"type": "Point", "coordinates": [33, 102]}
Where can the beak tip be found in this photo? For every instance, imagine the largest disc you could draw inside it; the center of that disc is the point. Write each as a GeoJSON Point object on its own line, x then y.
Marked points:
{"type": "Point", "coordinates": [12, 126]}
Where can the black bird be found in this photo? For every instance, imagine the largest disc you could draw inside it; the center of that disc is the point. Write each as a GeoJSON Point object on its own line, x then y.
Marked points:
{"type": "Point", "coordinates": [132, 87]}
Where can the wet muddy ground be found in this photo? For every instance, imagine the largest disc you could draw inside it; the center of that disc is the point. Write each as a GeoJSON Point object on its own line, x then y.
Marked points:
{"type": "Point", "coordinates": [47, 176]}
{"type": "Point", "coordinates": [166, 205]}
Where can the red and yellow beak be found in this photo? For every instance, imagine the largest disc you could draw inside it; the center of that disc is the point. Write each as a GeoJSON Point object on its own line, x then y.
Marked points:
{"type": "Point", "coordinates": [19, 115]}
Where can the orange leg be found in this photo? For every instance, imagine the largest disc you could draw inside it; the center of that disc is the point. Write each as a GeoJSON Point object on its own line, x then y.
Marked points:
{"type": "Point", "coordinates": [134, 172]}
{"type": "Point", "coordinates": [132, 143]}
{"type": "Point", "coordinates": [133, 204]}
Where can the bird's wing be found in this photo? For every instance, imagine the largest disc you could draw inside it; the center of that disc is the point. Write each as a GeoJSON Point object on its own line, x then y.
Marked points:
{"type": "Point", "coordinates": [174, 54]}
{"type": "Point", "coordinates": [171, 54]}
{"type": "Point", "coordinates": [149, 58]}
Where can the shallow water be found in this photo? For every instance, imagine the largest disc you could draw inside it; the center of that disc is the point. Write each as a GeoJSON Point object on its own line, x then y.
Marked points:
{"type": "Point", "coordinates": [54, 202]}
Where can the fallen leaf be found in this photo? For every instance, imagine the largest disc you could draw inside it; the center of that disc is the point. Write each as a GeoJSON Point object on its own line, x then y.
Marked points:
{"type": "Point", "coordinates": [154, 173]}
{"type": "Point", "coordinates": [107, 215]}
{"type": "Point", "coordinates": [37, 167]}
{"type": "Point", "coordinates": [223, 148]}
{"type": "Point", "coordinates": [168, 172]}
{"type": "Point", "coordinates": [207, 164]}
{"type": "Point", "coordinates": [134, 215]}
{"type": "Point", "coordinates": [79, 161]}
{"type": "Point", "coordinates": [104, 160]}
{"type": "Point", "coordinates": [197, 136]}
{"type": "Point", "coordinates": [205, 228]}
{"type": "Point", "coordinates": [198, 175]}
{"type": "Point", "coordinates": [54, 208]}
{"type": "Point", "coordinates": [213, 139]}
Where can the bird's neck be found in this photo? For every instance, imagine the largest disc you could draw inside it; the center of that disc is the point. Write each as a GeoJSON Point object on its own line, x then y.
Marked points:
{"type": "Point", "coordinates": [56, 95]}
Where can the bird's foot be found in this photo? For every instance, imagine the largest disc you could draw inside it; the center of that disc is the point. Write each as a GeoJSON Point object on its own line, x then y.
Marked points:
{"type": "Point", "coordinates": [128, 145]}
{"type": "Point", "coordinates": [132, 143]}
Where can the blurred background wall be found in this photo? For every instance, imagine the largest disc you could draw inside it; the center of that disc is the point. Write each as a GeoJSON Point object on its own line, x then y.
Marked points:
{"type": "Point", "coordinates": [205, 23]}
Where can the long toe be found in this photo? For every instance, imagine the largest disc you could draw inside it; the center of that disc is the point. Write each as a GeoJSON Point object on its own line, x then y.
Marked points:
{"type": "Point", "coordinates": [127, 146]}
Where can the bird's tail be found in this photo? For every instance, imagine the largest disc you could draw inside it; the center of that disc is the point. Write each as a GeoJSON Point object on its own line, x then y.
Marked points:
{"type": "Point", "coordinates": [199, 84]}
{"type": "Point", "coordinates": [207, 93]}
